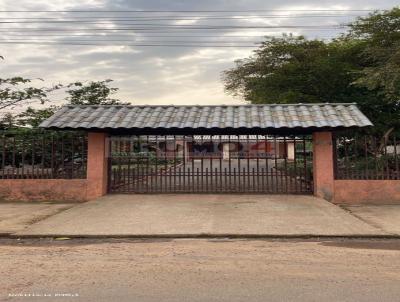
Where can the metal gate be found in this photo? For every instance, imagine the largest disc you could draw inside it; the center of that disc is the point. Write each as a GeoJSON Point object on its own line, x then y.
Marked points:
{"type": "Point", "coordinates": [210, 164]}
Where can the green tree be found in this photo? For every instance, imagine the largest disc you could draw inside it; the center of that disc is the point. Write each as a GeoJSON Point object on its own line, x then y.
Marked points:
{"type": "Point", "coordinates": [17, 91]}
{"type": "Point", "coordinates": [93, 93]}
{"type": "Point", "coordinates": [32, 117]}
{"type": "Point", "coordinates": [379, 34]}
{"type": "Point", "coordinates": [361, 67]}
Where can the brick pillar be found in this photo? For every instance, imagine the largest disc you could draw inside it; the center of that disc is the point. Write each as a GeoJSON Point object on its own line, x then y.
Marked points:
{"type": "Point", "coordinates": [323, 166]}
{"type": "Point", "coordinates": [97, 165]}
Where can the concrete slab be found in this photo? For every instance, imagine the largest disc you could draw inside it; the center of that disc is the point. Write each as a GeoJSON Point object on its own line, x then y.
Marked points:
{"type": "Point", "coordinates": [383, 217]}
{"type": "Point", "coordinates": [194, 215]}
{"type": "Point", "coordinates": [16, 216]}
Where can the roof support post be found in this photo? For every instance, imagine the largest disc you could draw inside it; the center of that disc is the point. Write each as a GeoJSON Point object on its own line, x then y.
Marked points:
{"type": "Point", "coordinates": [323, 165]}
{"type": "Point", "coordinates": [97, 165]}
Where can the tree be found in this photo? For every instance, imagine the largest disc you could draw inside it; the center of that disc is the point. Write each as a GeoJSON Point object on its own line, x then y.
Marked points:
{"type": "Point", "coordinates": [15, 92]}
{"type": "Point", "coordinates": [93, 93]}
{"type": "Point", "coordinates": [32, 117]}
{"type": "Point", "coordinates": [380, 35]}
{"type": "Point", "coordinates": [361, 67]}
{"type": "Point", "coordinates": [293, 69]}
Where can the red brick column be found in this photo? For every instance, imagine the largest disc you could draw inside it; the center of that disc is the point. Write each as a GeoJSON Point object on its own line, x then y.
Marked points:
{"type": "Point", "coordinates": [323, 166]}
{"type": "Point", "coordinates": [97, 165]}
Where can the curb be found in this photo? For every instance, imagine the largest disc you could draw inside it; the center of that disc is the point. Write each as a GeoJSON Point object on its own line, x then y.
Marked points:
{"type": "Point", "coordinates": [204, 236]}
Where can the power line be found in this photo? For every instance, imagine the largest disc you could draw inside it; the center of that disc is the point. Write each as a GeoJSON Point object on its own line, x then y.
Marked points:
{"type": "Point", "coordinates": [125, 40]}
{"type": "Point", "coordinates": [127, 19]}
{"type": "Point", "coordinates": [189, 11]}
{"type": "Point", "coordinates": [136, 45]}
{"type": "Point", "coordinates": [184, 16]}
{"type": "Point", "coordinates": [172, 27]}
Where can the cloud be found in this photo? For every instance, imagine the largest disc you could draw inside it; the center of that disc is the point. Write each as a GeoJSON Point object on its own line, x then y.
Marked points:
{"type": "Point", "coordinates": [152, 75]}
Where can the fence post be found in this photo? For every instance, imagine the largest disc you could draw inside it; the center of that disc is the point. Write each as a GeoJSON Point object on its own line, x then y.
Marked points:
{"type": "Point", "coordinates": [323, 165]}
{"type": "Point", "coordinates": [97, 165]}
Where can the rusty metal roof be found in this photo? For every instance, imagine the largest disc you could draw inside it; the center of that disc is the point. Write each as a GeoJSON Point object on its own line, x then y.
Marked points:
{"type": "Point", "coordinates": [271, 116]}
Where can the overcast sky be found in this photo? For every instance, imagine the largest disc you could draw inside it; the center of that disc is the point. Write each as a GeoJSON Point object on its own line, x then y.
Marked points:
{"type": "Point", "coordinates": [157, 75]}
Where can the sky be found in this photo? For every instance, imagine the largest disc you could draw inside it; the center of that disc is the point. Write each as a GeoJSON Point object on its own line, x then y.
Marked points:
{"type": "Point", "coordinates": [187, 71]}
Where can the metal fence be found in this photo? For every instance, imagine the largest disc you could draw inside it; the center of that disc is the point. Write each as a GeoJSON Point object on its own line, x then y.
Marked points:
{"type": "Point", "coordinates": [210, 164]}
{"type": "Point", "coordinates": [360, 156]}
{"type": "Point", "coordinates": [35, 154]}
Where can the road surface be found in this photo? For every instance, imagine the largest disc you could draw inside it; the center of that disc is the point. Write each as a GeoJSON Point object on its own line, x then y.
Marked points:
{"type": "Point", "coordinates": [199, 270]}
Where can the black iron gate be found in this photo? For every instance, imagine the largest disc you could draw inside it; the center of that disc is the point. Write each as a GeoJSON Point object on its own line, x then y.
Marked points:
{"type": "Point", "coordinates": [210, 164]}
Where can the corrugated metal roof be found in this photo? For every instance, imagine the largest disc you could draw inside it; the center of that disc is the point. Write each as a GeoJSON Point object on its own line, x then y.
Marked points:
{"type": "Point", "coordinates": [208, 117]}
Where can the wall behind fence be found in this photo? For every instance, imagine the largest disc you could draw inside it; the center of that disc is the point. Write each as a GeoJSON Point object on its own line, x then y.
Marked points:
{"type": "Point", "coordinates": [367, 169]}
{"type": "Point", "coordinates": [43, 165]}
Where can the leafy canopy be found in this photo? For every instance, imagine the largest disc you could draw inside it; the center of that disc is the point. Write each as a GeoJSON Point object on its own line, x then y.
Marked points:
{"type": "Point", "coordinates": [361, 66]}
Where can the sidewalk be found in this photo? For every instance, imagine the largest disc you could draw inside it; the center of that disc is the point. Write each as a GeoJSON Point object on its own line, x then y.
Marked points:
{"type": "Point", "coordinates": [16, 216]}
{"type": "Point", "coordinates": [177, 216]}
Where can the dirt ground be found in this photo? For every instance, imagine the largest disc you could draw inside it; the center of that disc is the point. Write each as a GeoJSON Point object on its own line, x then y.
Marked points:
{"type": "Point", "coordinates": [199, 270]}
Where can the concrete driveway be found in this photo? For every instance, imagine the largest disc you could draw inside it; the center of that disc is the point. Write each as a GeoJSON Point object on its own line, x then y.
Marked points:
{"type": "Point", "coordinates": [196, 215]}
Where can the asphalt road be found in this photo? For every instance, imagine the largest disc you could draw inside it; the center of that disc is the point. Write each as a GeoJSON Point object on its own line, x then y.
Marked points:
{"type": "Point", "coordinates": [199, 270]}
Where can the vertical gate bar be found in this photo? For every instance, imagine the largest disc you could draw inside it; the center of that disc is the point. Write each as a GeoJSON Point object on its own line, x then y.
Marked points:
{"type": "Point", "coordinates": [238, 164]}
{"type": "Point", "coordinates": [262, 180]}
{"type": "Point", "coordinates": [234, 179]}
{"type": "Point", "coordinates": [134, 175]}
{"type": "Point", "coordinates": [254, 188]}
{"type": "Point", "coordinates": [141, 182]}
{"type": "Point", "coordinates": [72, 155]}
{"type": "Point", "coordinates": [130, 184]}
{"type": "Point", "coordinates": [248, 162]}
{"type": "Point", "coordinates": [229, 161]}
{"type": "Point", "coordinates": [119, 156]}
{"type": "Point", "coordinates": [346, 159]}
{"type": "Point", "coordinates": [366, 174]}
{"type": "Point", "coordinates": [179, 188]}
{"type": "Point", "coordinates": [386, 160]}
{"type": "Point", "coordinates": [225, 176]}
{"type": "Point", "coordinates": [211, 162]}
{"type": "Point", "coordinates": [206, 179]}
{"type": "Point", "coordinates": [355, 173]}
{"type": "Point", "coordinates": [13, 159]}
{"type": "Point", "coordinates": [110, 172]}
{"type": "Point", "coordinates": [285, 163]}
{"type": "Point", "coordinates": [124, 179]}
{"type": "Point", "coordinates": [184, 160]}
{"type": "Point", "coordinates": [193, 174]}
{"type": "Point", "coordinates": [165, 165]}
{"type": "Point", "coordinates": [174, 176]}
{"type": "Point", "coordinates": [396, 162]}
{"type": "Point", "coordinates": [305, 164]}
{"type": "Point", "coordinates": [295, 164]}
{"type": "Point", "coordinates": [190, 187]}
{"type": "Point", "coordinates": [257, 163]}
{"type": "Point", "coordinates": [45, 152]}
{"type": "Point", "coordinates": [375, 158]}
{"type": "Point", "coordinates": [84, 159]}
{"type": "Point", "coordinates": [216, 180]}
{"type": "Point", "coordinates": [33, 157]}
{"type": "Point", "coordinates": [142, 159]}
{"type": "Point", "coordinates": [276, 166]}
{"type": "Point", "coordinates": [156, 163]}
{"type": "Point", "coordinates": [22, 159]}
{"type": "Point", "coordinates": [266, 162]}
{"type": "Point", "coordinates": [150, 179]}
{"type": "Point", "coordinates": [147, 179]}
{"type": "Point", "coordinates": [244, 180]}
{"type": "Point", "coordinates": [202, 163]}
{"type": "Point", "coordinates": [3, 159]}
{"type": "Point", "coordinates": [220, 155]}
{"type": "Point", "coordinates": [169, 171]}
{"type": "Point", "coordinates": [63, 154]}
{"type": "Point", "coordinates": [198, 183]}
